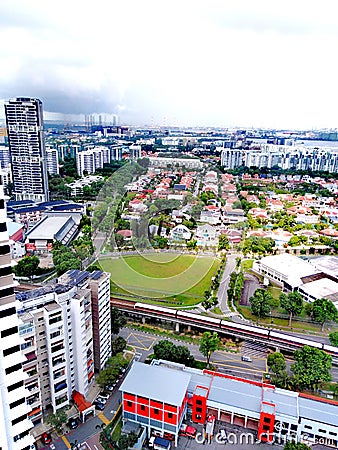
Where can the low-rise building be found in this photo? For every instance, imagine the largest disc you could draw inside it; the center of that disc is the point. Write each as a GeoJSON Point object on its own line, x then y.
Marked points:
{"type": "Point", "coordinates": [50, 229]}
{"type": "Point", "coordinates": [273, 414]}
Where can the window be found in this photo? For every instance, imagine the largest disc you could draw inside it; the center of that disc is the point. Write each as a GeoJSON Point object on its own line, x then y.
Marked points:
{"type": "Point", "coordinates": [9, 331]}
{"type": "Point", "coordinates": [11, 350]}
{"type": "Point", "coordinates": [321, 431]}
{"type": "Point", "coordinates": [129, 403]}
{"type": "Point", "coordinates": [198, 402]}
{"type": "Point", "coordinates": [308, 427]}
{"type": "Point", "coordinates": [19, 419]}
{"type": "Point", "coordinates": [198, 409]}
{"type": "Point", "coordinates": [293, 427]}
{"type": "Point", "coordinates": [170, 415]}
{"type": "Point", "coordinates": [14, 386]}
{"type": "Point", "coordinates": [13, 368]}
{"type": "Point", "coordinates": [5, 270]}
{"type": "Point", "coordinates": [7, 312]}
{"type": "Point", "coordinates": [4, 249]}
{"type": "Point", "coordinates": [143, 408]}
{"type": "Point", "coordinates": [332, 433]}
{"type": "Point", "coordinates": [267, 420]}
{"type": "Point", "coordinates": [17, 403]}
{"type": "Point", "coordinates": [156, 411]}
{"type": "Point", "coordinates": [6, 292]}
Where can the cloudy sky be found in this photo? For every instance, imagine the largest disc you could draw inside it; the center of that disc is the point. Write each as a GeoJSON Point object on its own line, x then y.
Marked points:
{"type": "Point", "coordinates": [261, 63]}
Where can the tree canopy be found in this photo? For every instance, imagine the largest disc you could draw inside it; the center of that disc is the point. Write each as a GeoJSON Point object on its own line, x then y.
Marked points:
{"type": "Point", "coordinates": [118, 320]}
{"type": "Point", "coordinates": [209, 343]}
{"type": "Point", "coordinates": [334, 338]}
{"type": "Point", "coordinates": [323, 310]}
{"type": "Point", "coordinates": [296, 446]}
{"type": "Point", "coordinates": [27, 266]}
{"type": "Point", "coordinates": [260, 303]}
{"type": "Point", "coordinates": [292, 303]}
{"type": "Point", "coordinates": [165, 349]}
{"type": "Point", "coordinates": [311, 367]}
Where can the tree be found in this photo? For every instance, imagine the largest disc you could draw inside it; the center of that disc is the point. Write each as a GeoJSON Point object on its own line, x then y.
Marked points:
{"type": "Point", "coordinates": [223, 242]}
{"type": "Point", "coordinates": [277, 366]}
{"type": "Point", "coordinates": [334, 338]}
{"type": "Point", "coordinates": [209, 343]}
{"type": "Point", "coordinates": [276, 363]}
{"type": "Point", "coordinates": [324, 310]}
{"type": "Point", "coordinates": [118, 345]}
{"type": "Point", "coordinates": [27, 266]}
{"type": "Point", "coordinates": [208, 303]}
{"type": "Point", "coordinates": [296, 446]}
{"type": "Point", "coordinates": [127, 440]}
{"type": "Point", "coordinates": [57, 419]}
{"type": "Point", "coordinates": [312, 366]}
{"type": "Point", "coordinates": [165, 349]}
{"type": "Point", "coordinates": [192, 244]}
{"type": "Point", "coordinates": [260, 303]}
{"type": "Point", "coordinates": [292, 303]}
{"type": "Point", "coordinates": [118, 320]}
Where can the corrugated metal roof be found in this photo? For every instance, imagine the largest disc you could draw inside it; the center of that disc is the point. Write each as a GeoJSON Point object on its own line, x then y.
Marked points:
{"type": "Point", "coordinates": [157, 383]}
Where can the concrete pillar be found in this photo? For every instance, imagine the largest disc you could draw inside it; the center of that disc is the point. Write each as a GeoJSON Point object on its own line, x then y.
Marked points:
{"type": "Point", "coordinates": [189, 328]}
{"type": "Point", "coordinates": [143, 320]}
{"type": "Point", "coordinates": [176, 439]}
{"type": "Point", "coordinates": [245, 421]}
{"type": "Point", "coordinates": [232, 418]}
{"type": "Point", "coordinates": [177, 327]}
{"type": "Point", "coordinates": [219, 414]}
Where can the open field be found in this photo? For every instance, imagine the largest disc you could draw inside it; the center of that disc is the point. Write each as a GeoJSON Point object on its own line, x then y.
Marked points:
{"type": "Point", "coordinates": [175, 278]}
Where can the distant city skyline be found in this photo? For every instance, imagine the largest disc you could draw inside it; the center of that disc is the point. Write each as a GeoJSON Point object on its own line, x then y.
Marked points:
{"type": "Point", "coordinates": [219, 63]}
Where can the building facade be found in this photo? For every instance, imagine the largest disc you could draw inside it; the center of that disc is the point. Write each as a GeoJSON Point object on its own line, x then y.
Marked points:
{"type": "Point", "coordinates": [15, 424]}
{"type": "Point", "coordinates": [273, 415]}
{"type": "Point", "coordinates": [24, 119]}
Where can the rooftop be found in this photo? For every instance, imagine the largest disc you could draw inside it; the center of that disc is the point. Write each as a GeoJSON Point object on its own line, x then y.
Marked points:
{"type": "Point", "coordinates": [47, 228]}
{"type": "Point", "coordinates": [156, 382]}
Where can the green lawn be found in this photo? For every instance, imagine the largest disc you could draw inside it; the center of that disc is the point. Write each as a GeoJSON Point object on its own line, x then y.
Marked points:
{"type": "Point", "coordinates": [168, 276]}
{"type": "Point", "coordinates": [247, 264]}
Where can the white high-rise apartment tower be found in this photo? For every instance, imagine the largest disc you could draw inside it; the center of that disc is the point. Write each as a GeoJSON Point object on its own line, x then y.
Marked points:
{"type": "Point", "coordinates": [24, 119]}
{"type": "Point", "coordinates": [15, 425]}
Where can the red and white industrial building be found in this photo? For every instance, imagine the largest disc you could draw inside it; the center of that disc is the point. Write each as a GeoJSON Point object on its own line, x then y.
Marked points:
{"type": "Point", "coordinates": [158, 396]}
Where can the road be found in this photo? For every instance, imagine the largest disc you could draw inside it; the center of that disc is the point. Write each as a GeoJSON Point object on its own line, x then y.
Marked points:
{"type": "Point", "coordinates": [225, 362]}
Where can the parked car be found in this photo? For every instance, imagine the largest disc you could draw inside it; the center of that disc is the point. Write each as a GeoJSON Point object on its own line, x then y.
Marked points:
{"type": "Point", "coordinates": [101, 400]}
{"type": "Point", "coordinates": [246, 358]}
{"type": "Point", "coordinates": [104, 395]}
{"type": "Point", "coordinates": [110, 387]}
{"type": "Point", "coordinates": [187, 430]}
{"type": "Point", "coordinates": [98, 405]}
{"type": "Point", "coordinates": [46, 438]}
{"type": "Point", "coordinates": [72, 423]}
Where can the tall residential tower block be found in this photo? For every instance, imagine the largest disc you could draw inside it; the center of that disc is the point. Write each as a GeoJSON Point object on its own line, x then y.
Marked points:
{"type": "Point", "coordinates": [24, 119]}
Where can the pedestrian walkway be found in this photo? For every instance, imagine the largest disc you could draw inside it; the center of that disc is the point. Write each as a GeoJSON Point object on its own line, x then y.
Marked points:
{"type": "Point", "coordinates": [255, 349]}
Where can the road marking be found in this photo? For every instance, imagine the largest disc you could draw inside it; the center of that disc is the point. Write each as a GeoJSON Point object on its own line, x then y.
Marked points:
{"type": "Point", "coordinates": [142, 343]}
{"type": "Point", "coordinates": [65, 440]}
{"type": "Point", "coordinates": [103, 418]}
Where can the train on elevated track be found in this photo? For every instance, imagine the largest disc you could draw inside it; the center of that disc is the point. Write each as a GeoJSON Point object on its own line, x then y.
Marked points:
{"type": "Point", "coordinates": [242, 330]}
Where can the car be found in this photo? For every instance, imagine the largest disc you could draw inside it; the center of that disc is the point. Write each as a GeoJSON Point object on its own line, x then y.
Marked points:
{"type": "Point", "coordinates": [104, 395]}
{"type": "Point", "coordinates": [98, 405]}
{"type": "Point", "coordinates": [122, 369]}
{"type": "Point", "coordinates": [246, 358]}
{"type": "Point", "coordinates": [72, 423]}
{"type": "Point", "coordinates": [110, 387]}
{"type": "Point", "coordinates": [101, 400]}
{"type": "Point", "coordinates": [46, 438]}
{"type": "Point", "coordinates": [187, 430]}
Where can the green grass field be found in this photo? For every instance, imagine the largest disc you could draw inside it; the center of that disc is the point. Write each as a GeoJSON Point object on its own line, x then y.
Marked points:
{"type": "Point", "coordinates": [165, 277]}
